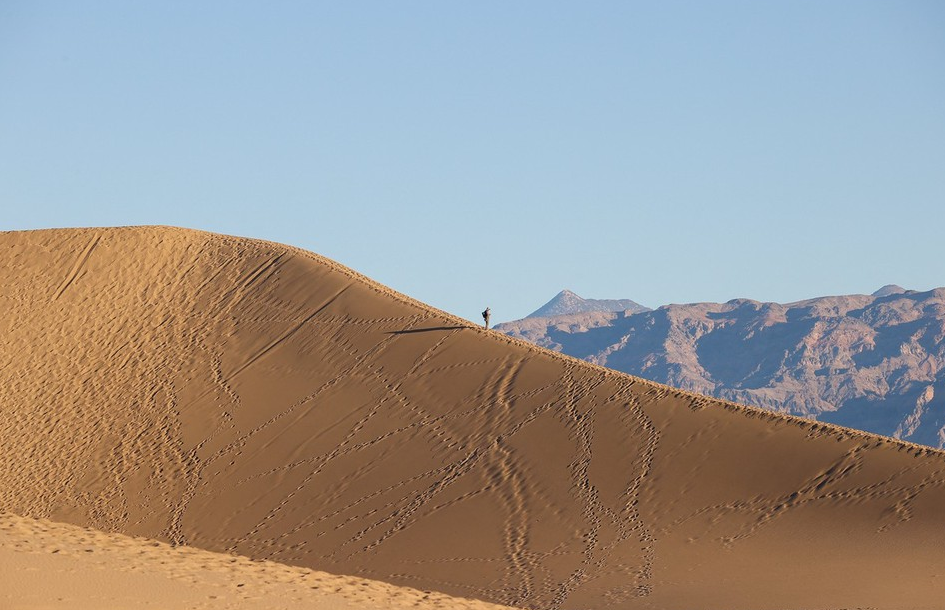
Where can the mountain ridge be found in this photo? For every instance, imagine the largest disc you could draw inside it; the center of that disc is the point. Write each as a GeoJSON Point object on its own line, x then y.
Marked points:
{"type": "Point", "coordinates": [696, 346]}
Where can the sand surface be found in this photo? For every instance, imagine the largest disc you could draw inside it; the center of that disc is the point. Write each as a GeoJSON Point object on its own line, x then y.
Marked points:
{"type": "Point", "coordinates": [240, 396]}
{"type": "Point", "coordinates": [44, 564]}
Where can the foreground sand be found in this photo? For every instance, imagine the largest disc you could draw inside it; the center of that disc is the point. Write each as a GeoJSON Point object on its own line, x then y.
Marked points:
{"type": "Point", "coordinates": [247, 397]}
{"type": "Point", "coordinates": [53, 565]}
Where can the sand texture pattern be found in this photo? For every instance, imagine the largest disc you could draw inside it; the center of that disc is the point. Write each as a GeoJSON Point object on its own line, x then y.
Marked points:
{"type": "Point", "coordinates": [245, 397]}
{"type": "Point", "coordinates": [44, 564]}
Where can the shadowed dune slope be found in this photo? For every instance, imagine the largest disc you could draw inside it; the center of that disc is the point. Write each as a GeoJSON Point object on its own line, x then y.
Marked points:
{"type": "Point", "coordinates": [247, 397]}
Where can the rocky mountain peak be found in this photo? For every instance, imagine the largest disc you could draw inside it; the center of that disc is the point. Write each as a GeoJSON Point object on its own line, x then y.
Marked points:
{"type": "Point", "coordinates": [568, 302]}
{"type": "Point", "coordinates": [889, 289]}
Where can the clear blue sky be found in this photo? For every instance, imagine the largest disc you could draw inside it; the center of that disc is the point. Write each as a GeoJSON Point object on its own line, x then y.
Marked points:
{"type": "Point", "coordinates": [493, 153]}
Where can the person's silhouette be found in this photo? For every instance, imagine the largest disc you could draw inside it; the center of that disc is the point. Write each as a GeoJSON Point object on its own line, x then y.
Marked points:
{"type": "Point", "coordinates": [485, 316]}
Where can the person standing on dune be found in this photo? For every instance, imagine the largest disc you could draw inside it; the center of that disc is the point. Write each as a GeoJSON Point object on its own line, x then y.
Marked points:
{"type": "Point", "coordinates": [485, 316]}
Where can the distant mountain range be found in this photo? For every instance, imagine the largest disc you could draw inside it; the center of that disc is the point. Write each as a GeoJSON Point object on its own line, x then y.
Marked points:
{"type": "Point", "coordinates": [873, 362]}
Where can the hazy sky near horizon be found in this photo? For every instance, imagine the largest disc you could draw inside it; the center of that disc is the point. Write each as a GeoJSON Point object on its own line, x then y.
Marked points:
{"type": "Point", "coordinates": [493, 153]}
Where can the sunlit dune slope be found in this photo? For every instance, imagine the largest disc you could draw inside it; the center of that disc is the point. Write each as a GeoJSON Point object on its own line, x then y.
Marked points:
{"type": "Point", "coordinates": [45, 564]}
{"type": "Point", "coordinates": [243, 396]}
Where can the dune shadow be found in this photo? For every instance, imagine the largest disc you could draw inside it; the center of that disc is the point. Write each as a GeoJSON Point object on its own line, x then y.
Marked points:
{"type": "Point", "coordinates": [424, 330]}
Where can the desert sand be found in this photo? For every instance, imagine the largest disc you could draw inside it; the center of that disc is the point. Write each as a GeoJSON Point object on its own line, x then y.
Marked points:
{"type": "Point", "coordinates": [237, 396]}
{"type": "Point", "coordinates": [44, 564]}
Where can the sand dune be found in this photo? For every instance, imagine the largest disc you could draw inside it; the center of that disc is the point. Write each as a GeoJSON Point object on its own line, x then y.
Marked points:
{"type": "Point", "coordinates": [247, 397]}
{"type": "Point", "coordinates": [44, 564]}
